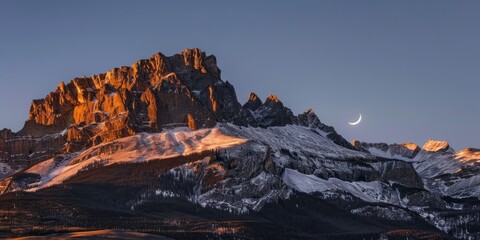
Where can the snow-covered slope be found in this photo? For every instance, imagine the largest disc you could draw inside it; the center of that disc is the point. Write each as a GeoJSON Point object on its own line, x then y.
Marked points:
{"type": "Point", "coordinates": [374, 191]}
{"type": "Point", "coordinates": [309, 146]}
{"type": "Point", "coordinates": [432, 164]}
{"type": "Point", "coordinates": [444, 171]}
{"type": "Point", "coordinates": [296, 139]}
{"type": "Point", "coordinates": [245, 168]}
{"type": "Point", "coordinates": [139, 148]}
{"type": "Point", "coordinates": [436, 158]}
{"type": "Point", "coordinates": [452, 174]}
{"type": "Point", "coordinates": [297, 152]}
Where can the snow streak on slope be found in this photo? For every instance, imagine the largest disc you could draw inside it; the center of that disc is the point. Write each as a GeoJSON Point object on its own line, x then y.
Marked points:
{"type": "Point", "coordinates": [138, 148]}
{"type": "Point", "coordinates": [462, 188]}
{"type": "Point", "coordinates": [451, 174]}
{"type": "Point", "coordinates": [374, 191]}
{"type": "Point", "coordinates": [295, 138]}
{"type": "Point", "coordinates": [443, 171]}
{"type": "Point", "coordinates": [430, 165]}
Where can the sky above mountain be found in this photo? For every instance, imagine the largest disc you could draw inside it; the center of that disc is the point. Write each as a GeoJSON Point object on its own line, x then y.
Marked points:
{"type": "Point", "coordinates": [410, 67]}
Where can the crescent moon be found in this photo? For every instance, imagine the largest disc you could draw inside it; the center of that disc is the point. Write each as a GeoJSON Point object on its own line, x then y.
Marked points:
{"type": "Point", "coordinates": [356, 122]}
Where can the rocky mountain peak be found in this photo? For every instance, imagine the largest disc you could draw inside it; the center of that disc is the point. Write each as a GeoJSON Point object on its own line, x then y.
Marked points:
{"type": "Point", "coordinates": [437, 146]}
{"type": "Point", "coordinates": [273, 113]}
{"type": "Point", "coordinates": [410, 146]}
{"type": "Point", "coordinates": [253, 97]}
{"type": "Point", "coordinates": [311, 120]}
{"type": "Point", "coordinates": [273, 98]}
{"type": "Point", "coordinates": [253, 102]}
{"type": "Point", "coordinates": [468, 154]}
{"type": "Point", "coordinates": [183, 89]}
{"type": "Point", "coordinates": [471, 150]}
{"type": "Point", "coordinates": [273, 101]}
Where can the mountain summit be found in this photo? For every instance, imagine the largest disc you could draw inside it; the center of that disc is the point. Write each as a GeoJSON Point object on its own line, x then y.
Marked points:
{"type": "Point", "coordinates": [144, 97]}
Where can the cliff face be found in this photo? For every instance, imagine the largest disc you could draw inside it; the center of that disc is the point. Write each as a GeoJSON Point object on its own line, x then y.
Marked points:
{"type": "Point", "coordinates": [142, 98]}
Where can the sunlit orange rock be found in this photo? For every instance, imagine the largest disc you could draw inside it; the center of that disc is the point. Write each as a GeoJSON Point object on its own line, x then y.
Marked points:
{"type": "Point", "coordinates": [184, 89]}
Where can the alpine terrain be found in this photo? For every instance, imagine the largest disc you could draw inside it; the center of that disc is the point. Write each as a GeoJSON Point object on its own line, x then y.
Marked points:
{"type": "Point", "coordinates": [163, 149]}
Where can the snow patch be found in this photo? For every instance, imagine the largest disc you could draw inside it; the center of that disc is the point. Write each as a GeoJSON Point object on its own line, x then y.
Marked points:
{"type": "Point", "coordinates": [374, 191]}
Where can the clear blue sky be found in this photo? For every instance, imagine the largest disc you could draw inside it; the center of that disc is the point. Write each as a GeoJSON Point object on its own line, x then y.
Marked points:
{"type": "Point", "coordinates": [411, 68]}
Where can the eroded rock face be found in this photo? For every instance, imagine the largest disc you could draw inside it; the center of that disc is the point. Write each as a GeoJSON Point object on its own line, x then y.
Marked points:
{"type": "Point", "coordinates": [184, 89]}
{"type": "Point", "coordinates": [18, 151]}
{"type": "Point", "coordinates": [399, 172]}
{"type": "Point", "coordinates": [181, 90]}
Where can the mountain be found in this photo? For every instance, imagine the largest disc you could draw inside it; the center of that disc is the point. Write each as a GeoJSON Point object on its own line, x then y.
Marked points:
{"type": "Point", "coordinates": [451, 175]}
{"type": "Point", "coordinates": [164, 147]}
{"type": "Point", "coordinates": [444, 171]}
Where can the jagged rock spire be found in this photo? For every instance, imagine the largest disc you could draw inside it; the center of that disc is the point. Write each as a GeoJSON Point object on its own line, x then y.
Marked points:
{"type": "Point", "coordinates": [253, 102]}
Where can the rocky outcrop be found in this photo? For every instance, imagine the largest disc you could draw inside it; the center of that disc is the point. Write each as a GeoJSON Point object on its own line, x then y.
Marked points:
{"type": "Point", "coordinates": [468, 155]}
{"type": "Point", "coordinates": [399, 172]}
{"type": "Point", "coordinates": [402, 151]}
{"type": "Point", "coordinates": [271, 113]}
{"type": "Point", "coordinates": [18, 151]}
{"type": "Point", "coordinates": [437, 146]}
{"type": "Point", "coordinates": [408, 150]}
{"type": "Point", "coordinates": [311, 120]}
{"type": "Point", "coordinates": [184, 89]}
{"type": "Point", "coordinates": [253, 102]}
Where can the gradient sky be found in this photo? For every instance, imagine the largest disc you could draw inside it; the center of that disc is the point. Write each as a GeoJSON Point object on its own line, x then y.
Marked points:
{"type": "Point", "coordinates": [410, 67]}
